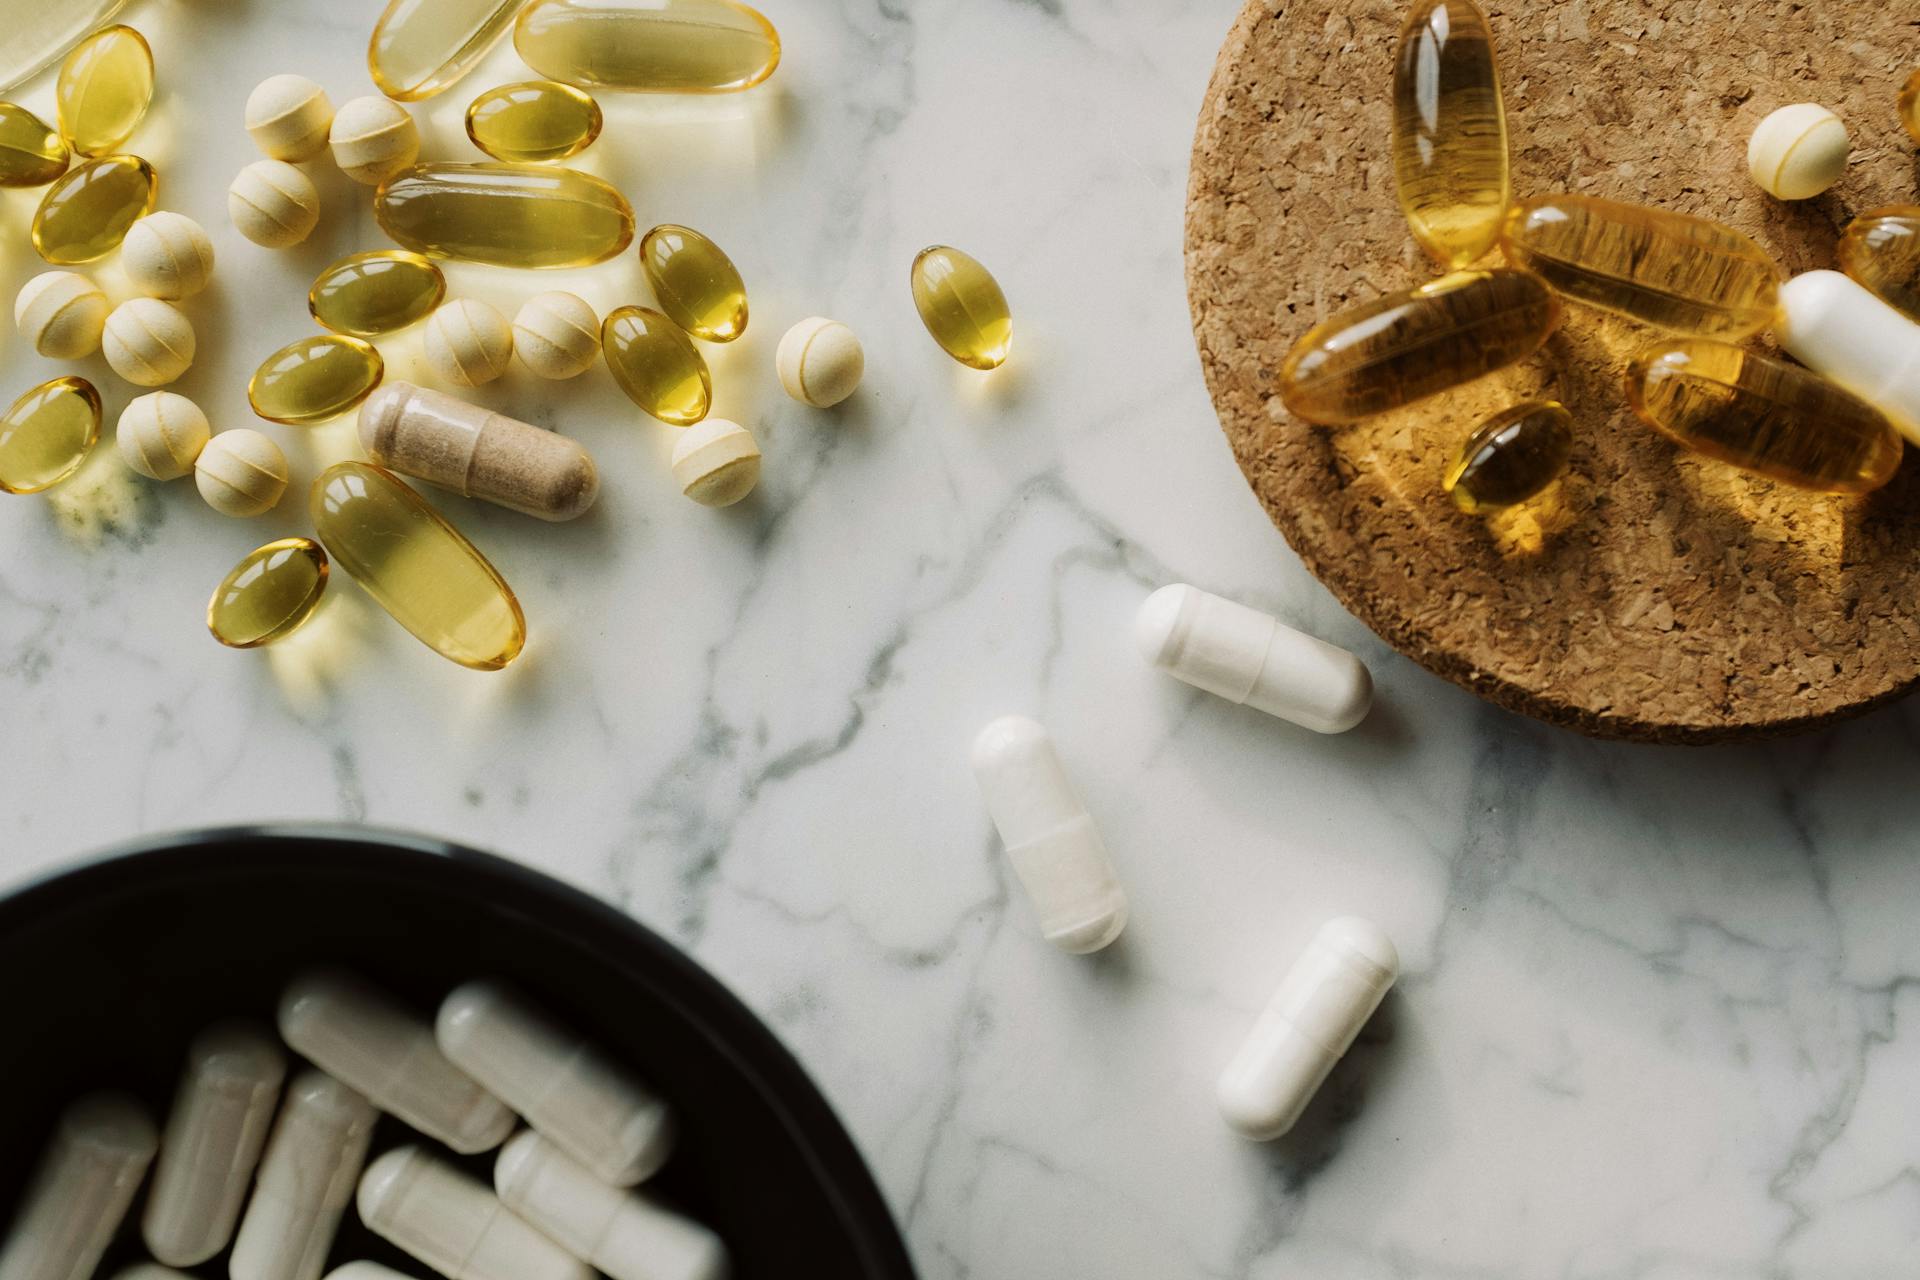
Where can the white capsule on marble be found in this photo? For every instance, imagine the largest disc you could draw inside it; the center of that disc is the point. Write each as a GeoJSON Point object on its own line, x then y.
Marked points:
{"type": "Point", "coordinates": [1251, 658]}
{"type": "Point", "coordinates": [622, 1233]}
{"type": "Point", "coordinates": [557, 1081]}
{"type": "Point", "coordinates": [273, 204]}
{"type": "Point", "coordinates": [556, 335]}
{"type": "Point", "coordinates": [307, 1178]}
{"type": "Point", "coordinates": [1050, 838]}
{"type": "Point", "coordinates": [468, 343]}
{"type": "Point", "coordinates": [373, 138]}
{"type": "Point", "coordinates": [80, 1193]}
{"type": "Point", "coordinates": [366, 1039]}
{"type": "Point", "coordinates": [61, 314]}
{"type": "Point", "coordinates": [160, 435]}
{"type": "Point", "coordinates": [820, 362]}
{"type": "Point", "coordinates": [288, 117]}
{"type": "Point", "coordinates": [221, 1114]}
{"type": "Point", "coordinates": [1320, 1006]}
{"type": "Point", "coordinates": [1841, 330]}
{"type": "Point", "coordinates": [454, 1224]}
{"type": "Point", "coordinates": [167, 255]}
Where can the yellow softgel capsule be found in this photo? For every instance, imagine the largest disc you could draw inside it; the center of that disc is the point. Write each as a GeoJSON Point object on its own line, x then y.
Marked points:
{"type": "Point", "coordinates": [47, 434]}
{"type": "Point", "coordinates": [657, 365]}
{"type": "Point", "coordinates": [1910, 105]}
{"type": "Point", "coordinates": [1450, 131]}
{"type": "Point", "coordinates": [508, 215]}
{"type": "Point", "coordinates": [663, 46]}
{"type": "Point", "coordinates": [1763, 414]}
{"type": "Point", "coordinates": [696, 284]}
{"type": "Point", "coordinates": [315, 379]}
{"type": "Point", "coordinates": [1671, 270]}
{"type": "Point", "coordinates": [1881, 249]}
{"type": "Point", "coordinates": [365, 294]}
{"type": "Point", "coordinates": [1394, 350]}
{"type": "Point", "coordinates": [105, 86]}
{"type": "Point", "coordinates": [417, 566]}
{"type": "Point", "coordinates": [268, 594]}
{"type": "Point", "coordinates": [32, 153]}
{"type": "Point", "coordinates": [961, 304]}
{"type": "Point", "coordinates": [422, 47]}
{"type": "Point", "coordinates": [1510, 457]}
{"type": "Point", "coordinates": [533, 121]}
{"type": "Point", "coordinates": [85, 215]}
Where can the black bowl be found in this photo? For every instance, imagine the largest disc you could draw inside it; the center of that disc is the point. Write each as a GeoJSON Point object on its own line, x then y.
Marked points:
{"type": "Point", "coordinates": [112, 967]}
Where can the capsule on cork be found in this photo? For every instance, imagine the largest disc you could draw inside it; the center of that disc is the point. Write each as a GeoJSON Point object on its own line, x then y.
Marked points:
{"type": "Point", "coordinates": [478, 453]}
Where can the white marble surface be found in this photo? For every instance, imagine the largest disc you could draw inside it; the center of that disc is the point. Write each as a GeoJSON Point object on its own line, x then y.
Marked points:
{"type": "Point", "coordinates": [1661, 1016]}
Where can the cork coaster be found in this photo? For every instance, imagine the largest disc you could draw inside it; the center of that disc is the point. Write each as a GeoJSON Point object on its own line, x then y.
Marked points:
{"type": "Point", "coordinates": [1650, 595]}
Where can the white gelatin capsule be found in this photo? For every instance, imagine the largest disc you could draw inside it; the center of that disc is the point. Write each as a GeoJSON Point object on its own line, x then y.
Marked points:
{"type": "Point", "coordinates": [221, 1114]}
{"type": "Point", "coordinates": [559, 1083]}
{"type": "Point", "coordinates": [1245, 656]}
{"type": "Point", "coordinates": [306, 1181]}
{"type": "Point", "coordinates": [81, 1191]}
{"type": "Point", "coordinates": [456, 1225]}
{"type": "Point", "coordinates": [623, 1233]}
{"type": "Point", "coordinates": [1322, 1003]}
{"type": "Point", "coordinates": [1832, 324]}
{"type": "Point", "coordinates": [363, 1037]}
{"type": "Point", "coordinates": [1051, 840]}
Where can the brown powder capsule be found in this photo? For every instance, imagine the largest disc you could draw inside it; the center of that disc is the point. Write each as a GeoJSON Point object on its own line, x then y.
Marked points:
{"type": "Point", "coordinates": [478, 453]}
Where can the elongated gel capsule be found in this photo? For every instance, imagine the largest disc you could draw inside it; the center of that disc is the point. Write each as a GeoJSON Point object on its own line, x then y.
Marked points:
{"type": "Point", "coordinates": [362, 1037]}
{"type": "Point", "coordinates": [1050, 838]}
{"type": "Point", "coordinates": [622, 1233]}
{"type": "Point", "coordinates": [219, 1122]}
{"type": "Point", "coordinates": [1834, 326]}
{"type": "Point", "coordinates": [559, 1083]}
{"type": "Point", "coordinates": [456, 1225]}
{"type": "Point", "coordinates": [81, 1191]}
{"type": "Point", "coordinates": [1450, 131]}
{"type": "Point", "coordinates": [306, 1182]}
{"type": "Point", "coordinates": [423, 47]}
{"type": "Point", "coordinates": [505, 214]}
{"type": "Point", "coordinates": [662, 46]}
{"type": "Point", "coordinates": [1309, 1023]}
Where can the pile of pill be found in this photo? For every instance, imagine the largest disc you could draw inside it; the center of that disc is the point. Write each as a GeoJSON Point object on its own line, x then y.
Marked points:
{"type": "Point", "coordinates": [272, 1170]}
{"type": "Point", "coordinates": [1833, 423]}
{"type": "Point", "coordinates": [520, 209]}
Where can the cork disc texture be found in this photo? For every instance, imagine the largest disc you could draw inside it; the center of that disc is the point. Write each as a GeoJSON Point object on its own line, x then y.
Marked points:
{"type": "Point", "coordinates": [1650, 594]}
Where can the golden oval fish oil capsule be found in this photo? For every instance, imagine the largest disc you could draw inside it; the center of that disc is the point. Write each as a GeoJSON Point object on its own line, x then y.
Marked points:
{"type": "Point", "coordinates": [417, 566]}
{"type": "Point", "coordinates": [533, 121]}
{"type": "Point", "coordinates": [422, 47]}
{"type": "Point", "coordinates": [696, 284]}
{"type": "Point", "coordinates": [366, 294]}
{"type": "Point", "coordinates": [1671, 270]}
{"type": "Point", "coordinates": [1394, 350]}
{"type": "Point", "coordinates": [962, 306]}
{"type": "Point", "coordinates": [105, 86]}
{"type": "Point", "coordinates": [657, 365]}
{"type": "Point", "coordinates": [1881, 249]}
{"type": "Point", "coordinates": [314, 379]}
{"type": "Point", "coordinates": [1510, 457]}
{"type": "Point", "coordinates": [664, 46]}
{"type": "Point", "coordinates": [32, 153]}
{"type": "Point", "coordinates": [1450, 131]}
{"type": "Point", "coordinates": [268, 594]}
{"type": "Point", "coordinates": [85, 215]}
{"type": "Point", "coordinates": [508, 215]}
{"type": "Point", "coordinates": [1762, 414]}
{"type": "Point", "coordinates": [1910, 105]}
{"type": "Point", "coordinates": [47, 434]}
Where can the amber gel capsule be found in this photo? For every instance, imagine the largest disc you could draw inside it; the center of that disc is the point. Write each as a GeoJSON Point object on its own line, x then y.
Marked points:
{"type": "Point", "coordinates": [1881, 250]}
{"type": "Point", "coordinates": [1910, 106]}
{"type": "Point", "coordinates": [1450, 131]}
{"type": "Point", "coordinates": [268, 594]}
{"type": "Point", "coordinates": [1510, 457]}
{"type": "Point", "coordinates": [85, 215]}
{"type": "Point", "coordinates": [105, 86]}
{"type": "Point", "coordinates": [365, 294]}
{"type": "Point", "coordinates": [1403, 347]}
{"type": "Point", "coordinates": [314, 379]}
{"type": "Point", "coordinates": [657, 365]}
{"type": "Point", "coordinates": [535, 121]}
{"type": "Point", "coordinates": [422, 47]}
{"type": "Point", "coordinates": [962, 306]}
{"type": "Point", "coordinates": [1762, 414]}
{"type": "Point", "coordinates": [47, 434]}
{"type": "Point", "coordinates": [505, 214]}
{"type": "Point", "coordinates": [1687, 274]}
{"type": "Point", "coordinates": [696, 284]}
{"type": "Point", "coordinates": [663, 46]}
{"type": "Point", "coordinates": [32, 154]}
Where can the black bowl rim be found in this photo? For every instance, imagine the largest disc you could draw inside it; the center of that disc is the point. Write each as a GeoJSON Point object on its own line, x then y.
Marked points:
{"type": "Point", "coordinates": [733, 1028]}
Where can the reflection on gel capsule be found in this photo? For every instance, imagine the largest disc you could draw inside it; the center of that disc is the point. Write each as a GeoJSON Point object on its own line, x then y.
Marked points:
{"type": "Point", "coordinates": [456, 1225]}
{"type": "Point", "coordinates": [100, 1150]}
{"type": "Point", "coordinates": [306, 1181]}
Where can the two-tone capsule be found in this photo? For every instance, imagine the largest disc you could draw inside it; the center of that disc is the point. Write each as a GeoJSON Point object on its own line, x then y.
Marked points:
{"type": "Point", "coordinates": [664, 46]}
{"type": "Point", "coordinates": [419, 49]}
{"type": "Point", "coordinates": [306, 1182]}
{"type": "Point", "coordinates": [1450, 163]}
{"type": "Point", "coordinates": [696, 284]}
{"type": "Point", "coordinates": [657, 365]}
{"type": "Point", "coordinates": [1510, 457]}
{"type": "Point", "coordinates": [47, 434]}
{"type": "Point", "coordinates": [533, 122]}
{"type": "Point", "coordinates": [269, 594]}
{"type": "Point", "coordinates": [32, 153]}
{"type": "Point", "coordinates": [87, 212]}
{"type": "Point", "coordinates": [962, 306]}
{"type": "Point", "coordinates": [80, 1194]}
{"type": "Point", "coordinates": [478, 453]}
{"type": "Point", "coordinates": [314, 379]}
{"type": "Point", "coordinates": [367, 294]}
{"type": "Point", "coordinates": [507, 215]}
{"type": "Point", "coordinates": [104, 89]}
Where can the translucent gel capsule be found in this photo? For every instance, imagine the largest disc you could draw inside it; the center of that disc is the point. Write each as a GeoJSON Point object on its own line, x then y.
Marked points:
{"type": "Point", "coordinates": [508, 215]}
{"type": "Point", "coordinates": [657, 365]}
{"type": "Point", "coordinates": [696, 284]}
{"type": "Point", "coordinates": [1510, 457]}
{"type": "Point", "coordinates": [306, 1181]}
{"type": "Point", "coordinates": [422, 571]}
{"type": "Point", "coordinates": [1394, 350]}
{"type": "Point", "coordinates": [105, 86]}
{"type": "Point", "coordinates": [1450, 131]}
{"type": "Point", "coordinates": [366, 294]}
{"type": "Point", "coordinates": [1687, 274]}
{"type": "Point", "coordinates": [421, 47]}
{"type": "Point", "coordinates": [533, 121]}
{"type": "Point", "coordinates": [663, 46]}
{"type": "Point", "coordinates": [1762, 414]}
{"type": "Point", "coordinates": [32, 154]}
{"type": "Point", "coordinates": [34, 35]}
{"type": "Point", "coordinates": [314, 379]}
{"type": "Point", "coordinates": [1910, 106]}
{"type": "Point", "coordinates": [1881, 250]}
{"type": "Point", "coordinates": [80, 1193]}
{"type": "Point", "coordinates": [47, 434]}
{"type": "Point", "coordinates": [85, 215]}
{"type": "Point", "coordinates": [268, 594]}
{"type": "Point", "coordinates": [961, 304]}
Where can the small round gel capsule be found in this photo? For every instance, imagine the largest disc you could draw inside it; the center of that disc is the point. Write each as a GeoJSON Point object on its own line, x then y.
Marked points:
{"type": "Point", "coordinates": [148, 342]}
{"type": "Point", "coordinates": [820, 362]}
{"type": "Point", "coordinates": [556, 335]}
{"type": "Point", "coordinates": [1510, 457]}
{"type": "Point", "coordinates": [534, 121]}
{"type": "Point", "coordinates": [47, 434]}
{"type": "Point", "coordinates": [373, 138]}
{"type": "Point", "coordinates": [962, 306]}
{"type": "Point", "coordinates": [104, 89]}
{"type": "Point", "coordinates": [78, 1196]}
{"type": "Point", "coordinates": [266, 596]}
{"type": "Point", "coordinates": [1798, 152]}
{"type": "Point", "coordinates": [696, 284]}
{"type": "Point", "coordinates": [468, 343]}
{"type": "Point", "coordinates": [657, 365]}
{"type": "Point", "coordinates": [367, 294]}
{"type": "Point", "coordinates": [716, 462]}
{"type": "Point", "coordinates": [456, 1225]}
{"type": "Point", "coordinates": [288, 118]}
{"type": "Point", "coordinates": [85, 214]}
{"type": "Point", "coordinates": [61, 314]}
{"type": "Point", "coordinates": [241, 473]}
{"type": "Point", "coordinates": [273, 204]}
{"type": "Point", "coordinates": [160, 435]}
{"type": "Point", "coordinates": [167, 255]}
{"type": "Point", "coordinates": [32, 154]}
{"type": "Point", "coordinates": [315, 379]}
